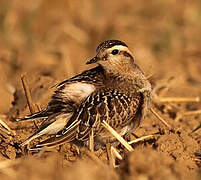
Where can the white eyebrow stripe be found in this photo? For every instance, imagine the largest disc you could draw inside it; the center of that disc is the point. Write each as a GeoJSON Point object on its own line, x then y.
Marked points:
{"type": "Point", "coordinates": [120, 48]}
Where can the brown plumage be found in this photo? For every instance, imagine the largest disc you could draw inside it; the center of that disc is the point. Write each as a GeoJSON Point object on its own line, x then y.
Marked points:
{"type": "Point", "coordinates": [115, 91]}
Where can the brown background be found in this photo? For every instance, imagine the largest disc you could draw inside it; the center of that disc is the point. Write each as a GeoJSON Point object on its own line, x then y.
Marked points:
{"type": "Point", "coordinates": [50, 41]}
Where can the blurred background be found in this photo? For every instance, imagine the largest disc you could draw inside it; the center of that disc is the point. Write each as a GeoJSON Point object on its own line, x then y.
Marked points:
{"type": "Point", "coordinates": [55, 38]}
{"type": "Point", "coordinates": [49, 41]}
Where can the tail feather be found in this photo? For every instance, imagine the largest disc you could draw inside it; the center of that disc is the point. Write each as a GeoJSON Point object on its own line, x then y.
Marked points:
{"type": "Point", "coordinates": [54, 141]}
{"type": "Point", "coordinates": [58, 140]}
{"type": "Point", "coordinates": [28, 140]}
{"type": "Point", "coordinates": [53, 125]}
{"type": "Point", "coordinates": [38, 133]}
{"type": "Point", "coordinates": [38, 115]}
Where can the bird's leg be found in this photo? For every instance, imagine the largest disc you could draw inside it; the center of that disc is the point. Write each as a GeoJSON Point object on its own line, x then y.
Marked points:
{"type": "Point", "coordinates": [117, 136]}
{"type": "Point", "coordinates": [91, 140]}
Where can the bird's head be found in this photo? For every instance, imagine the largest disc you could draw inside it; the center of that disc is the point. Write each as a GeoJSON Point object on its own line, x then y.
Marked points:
{"type": "Point", "coordinates": [113, 55]}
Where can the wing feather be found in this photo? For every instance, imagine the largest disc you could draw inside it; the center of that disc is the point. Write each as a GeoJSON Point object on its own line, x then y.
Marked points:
{"type": "Point", "coordinates": [100, 105]}
{"type": "Point", "coordinates": [109, 105]}
{"type": "Point", "coordinates": [62, 100]}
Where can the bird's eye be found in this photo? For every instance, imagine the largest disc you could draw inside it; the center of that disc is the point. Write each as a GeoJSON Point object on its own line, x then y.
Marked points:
{"type": "Point", "coordinates": [115, 51]}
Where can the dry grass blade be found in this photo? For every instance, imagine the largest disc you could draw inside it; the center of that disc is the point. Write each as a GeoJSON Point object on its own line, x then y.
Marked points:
{"type": "Point", "coordinates": [177, 99]}
{"type": "Point", "coordinates": [91, 140]}
{"type": "Point", "coordinates": [196, 128]}
{"type": "Point", "coordinates": [5, 125]}
{"type": "Point", "coordinates": [160, 118]}
{"type": "Point", "coordinates": [6, 128]}
{"type": "Point", "coordinates": [116, 153]}
{"type": "Point", "coordinates": [141, 139]}
{"type": "Point", "coordinates": [28, 94]}
{"type": "Point", "coordinates": [117, 136]}
{"type": "Point", "coordinates": [109, 154]}
{"type": "Point", "coordinates": [186, 113]}
{"type": "Point", "coordinates": [112, 155]}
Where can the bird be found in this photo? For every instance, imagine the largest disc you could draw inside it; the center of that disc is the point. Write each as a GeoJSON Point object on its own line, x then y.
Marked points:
{"type": "Point", "coordinates": [116, 90]}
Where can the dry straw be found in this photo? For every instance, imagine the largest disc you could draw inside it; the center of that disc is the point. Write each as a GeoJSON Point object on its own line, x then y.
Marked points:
{"type": "Point", "coordinates": [117, 136]}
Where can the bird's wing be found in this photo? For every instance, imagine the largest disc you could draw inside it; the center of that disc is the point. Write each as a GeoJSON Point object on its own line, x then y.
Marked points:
{"type": "Point", "coordinates": [70, 93]}
{"type": "Point", "coordinates": [110, 105]}
{"type": "Point", "coordinates": [91, 76]}
{"type": "Point", "coordinates": [116, 108]}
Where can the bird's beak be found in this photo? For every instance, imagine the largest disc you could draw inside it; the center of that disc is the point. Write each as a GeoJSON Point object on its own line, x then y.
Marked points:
{"type": "Point", "coordinates": [93, 60]}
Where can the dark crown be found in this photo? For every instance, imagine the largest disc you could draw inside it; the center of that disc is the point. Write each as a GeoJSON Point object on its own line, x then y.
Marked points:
{"type": "Point", "coordinates": [108, 44]}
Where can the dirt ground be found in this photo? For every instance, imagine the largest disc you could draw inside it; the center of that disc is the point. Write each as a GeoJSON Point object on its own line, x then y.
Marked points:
{"type": "Point", "coordinates": [50, 41]}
